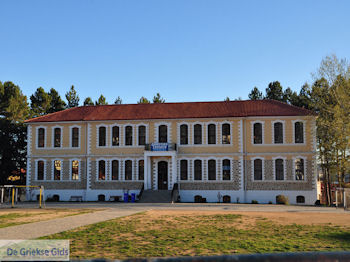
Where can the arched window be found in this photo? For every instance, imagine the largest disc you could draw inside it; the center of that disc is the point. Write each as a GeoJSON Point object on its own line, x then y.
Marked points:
{"type": "Point", "coordinates": [211, 169]}
{"type": "Point", "coordinates": [75, 170]}
{"type": "Point", "coordinates": [183, 134]}
{"type": "Point", "coordinates": [278, 133]}
{"type": "Point", "coordinates": [57, 137]}
{"type": "Point", "coordinates": [128, 135]}
{"type": "Point", "coordinates": [141, 169]}
{"type": "Point", "coordinates": [257, 169]}
{"type": "Point", "coordinates": [115, 136]}
{"type": "Point", "coordinates": [41, 137]}
{"type": "Point", "coordinates": [299, 169]}
{"type": "Point", "coordinates": [299, 132]}
{"type": "Point", "coordinates": [101, 170]}
{"type": "Point", "coordinates": [128, 170]}
{"type": "Point", "coordinates": [115, 170]}
{"type": "Point", "coordinates": [142, 135]}
{"type": "Point", "coordinates": [197, 131]}
{"type": "Point", "coordinates": [57, 167]}
{"type": "Point", "coordinates": [102, 136]}
{"type": "Point", "coordinates": [226, 134]}
{"type": "Point", "coordinates": [162, 134]}
{"type": "Point", "coordinates": [257, 129]}
{"type": "Point", "coordinates": [211, 134]}
{"type": "Point", "coordinates": [183, 169]}
{"type": "Point", "coordinates": [226, 169]}
{"type": "Point", "coordinates": [198, 169]}
{"type": "Point", "coordinates": [75, 137]}
{"type": "Point", "coordinates": [300, 199]}
{"type": "Point", "coordinates": [40, 170]}
{"type": "Point", "coordinates": [279, 169]}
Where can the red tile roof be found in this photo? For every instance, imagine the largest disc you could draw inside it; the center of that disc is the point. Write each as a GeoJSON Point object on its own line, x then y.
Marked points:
{"type": "Point", "coordinates": [175, 111]}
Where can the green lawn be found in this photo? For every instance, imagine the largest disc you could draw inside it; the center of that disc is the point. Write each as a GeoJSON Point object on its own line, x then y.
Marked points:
{"type": "Point", "coordinates": [141, 235]}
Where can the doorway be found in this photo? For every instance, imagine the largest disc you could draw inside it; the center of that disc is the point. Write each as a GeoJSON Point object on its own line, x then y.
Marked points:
{"type": "Point", "coordinates": [163, 175]}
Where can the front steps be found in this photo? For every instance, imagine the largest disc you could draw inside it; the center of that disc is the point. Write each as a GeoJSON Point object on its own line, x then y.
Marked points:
{"type": "Point", "coordinates": [156, 196]}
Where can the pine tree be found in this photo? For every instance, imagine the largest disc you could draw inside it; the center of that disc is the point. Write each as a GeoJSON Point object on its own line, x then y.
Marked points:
{"type": "Point", "coordinates": [274, 91]}
{"type": "Point", "coordinates": [88, 102]}
{"type": "Point", "coordinates": [255, 94]}
{"type": "Point", "coordinates": [56, 104]}
{"type": "Point", "coordinates": [143, 100]}
{"type": "Point", "coordinates": [40, 102]}
{"type": "Point", "coordinates": [101, 101]}
{"type": "Point", "coordinates": [158, 99]}
{"type": "Point", "coordinates": [72, 97]}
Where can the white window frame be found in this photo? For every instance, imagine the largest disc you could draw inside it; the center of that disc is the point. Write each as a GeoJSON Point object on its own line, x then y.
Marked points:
{"type": "Point", "coordinates": [262, 168]}
{"type": "Point", "coordinates": [53, 169]}
{"type": "Point", "coordinates": [262, 132]}
{"type": "Point", "coordinates": [188, 169]}
{"type": "Point", "coordinates": [37, 169]}
{"type": "Point", "coordinates": [156, 131]}
{"type": "Point", "coordinates": [207, 133]}
{"type": "Point", "coordinates": [133, 135]}
{"type": "Point", "coordinates": [53, 137]}
{"type": "Point", "coordinates": [132, 169]}
{"type": "Point", "coordinates": [220, 133]}
{"type": "Point", "coordinates": [201, 124]}
{"type": "Point", "coordinates": [97, 169]}
{"type": "Point", "coordinates": [305, 161]}
{"type": "Point", "coordinates": [283, 131]}
{"type": "Point", "coordinates": [120, 135]}
{"type": "Point", "coordinates": [70, 169]}
{"type": "Point", "coordinates": [217, 175]}
{"type": "Point", "coordinates": [119, 168]}
{"type": "Point", "coordinates": [137, 134]}
{"type": "Point", "coordinates": [304, 132]}
{"type": "Point", "coordinates": [71, 136]}
{"type": "Point", "coordinates": [203, 177]}
{"type": "Point", "coordinates": [137, 169]}
{"type": "Point", "coordinates": [37, 137]}
{"type": "Point", "coordinates": [284, 168]}
{"type": "Point", "coordinates": [179, 134]}
{"type": "Point", "coordinates": [222, 171]}
{"type": "Point", "coordinates": [98, 136]}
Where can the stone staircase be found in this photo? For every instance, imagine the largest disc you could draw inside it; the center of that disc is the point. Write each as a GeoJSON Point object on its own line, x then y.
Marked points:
{"type": "Point", "coordinates": [156, 196]}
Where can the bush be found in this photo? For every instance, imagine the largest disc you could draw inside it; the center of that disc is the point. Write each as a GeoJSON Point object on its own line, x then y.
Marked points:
{"type": "Point", "coordinates": [255, 202]}
{"type": "Point", "coordinates": [282, 199]}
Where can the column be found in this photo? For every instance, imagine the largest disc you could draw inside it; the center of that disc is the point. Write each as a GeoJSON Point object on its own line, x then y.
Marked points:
{"type": "Point", "coordinates": [174, 171]}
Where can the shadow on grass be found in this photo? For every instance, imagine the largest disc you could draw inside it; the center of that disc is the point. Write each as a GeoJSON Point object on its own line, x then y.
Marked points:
{"type": "Point", "coordinates": [339, 236]}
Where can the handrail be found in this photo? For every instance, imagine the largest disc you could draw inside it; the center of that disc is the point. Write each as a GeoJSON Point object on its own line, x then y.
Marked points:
{"type": "Point", "coordinates": [141, 191]}
{"type": "Point", "coordinates": [175, 193]}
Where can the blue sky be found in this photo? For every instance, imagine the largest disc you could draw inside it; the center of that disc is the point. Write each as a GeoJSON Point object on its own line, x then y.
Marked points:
{"type": "Point", "coordinates": [188, 50]}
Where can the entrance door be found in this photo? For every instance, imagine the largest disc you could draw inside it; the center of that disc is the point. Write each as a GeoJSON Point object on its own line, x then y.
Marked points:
{"type": "Point", "coordinates": [162, 175]}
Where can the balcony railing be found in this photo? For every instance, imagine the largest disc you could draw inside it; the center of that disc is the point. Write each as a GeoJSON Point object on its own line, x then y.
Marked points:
{"type": "Point", "coordinates": [161, 147]}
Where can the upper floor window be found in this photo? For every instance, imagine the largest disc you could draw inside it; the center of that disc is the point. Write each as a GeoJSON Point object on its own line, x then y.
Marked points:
{"type": "Point", "coordinates": [226, 134]}
{"type": "Point", "coordinates": [211, 134]}
{"type": "Point", "coordinates": [75, 137]}
{"type": "Point", "coordinates": [197, 132]}
{"type": "Point", "coordinates": [115, 170]}
{"type": "Point", "coordinates": [102, 136]}
{"type": "Point", "coordinates": [40, 170]}
{"type": "Point", "coordinates": [115, 136]}
{"type": "Point", "coordinates": [128, 170]}
{"type": "Point", "coordinates": [41, 137]}
{"type": "Point", "coordinates": [142, 135]}
{"type": "Point", "coordinates": [101, 170]}
{"type": "Point", "coordinates": [183, 169]}
{"type": "Point", "coordinates": [299, 169]}
{"type": "Point", "coordinates": [226, 169]}
{"type": "Point", "coordinates": [184, 134]}
{"type": "Point", "coordinates": [279, 169]}
{"type": "Point", "coordinates": [278, 133]}
{"type": "Point", "coordinates": [141, 169]}
{"type": "Point", "coordinates": [258, 136]}
{"type": "Point", "coordinates": [299, 132]}
{"type": "Point", "coordinates": [75, 170]}
{"type": "Point", "coordinates": [57, 137]}
{"type": "Point", "coordinates": [162, 134]}
{"type": "Point", "coordinates": [57, 167]}
{"type": "Point", "coordinates": [258, 174]}
{"type": "Point", "coordinates": [128, 135]}
{"type": "Point", "coordinates": [211, 169]}
{"type": "Point", "coordinates": [198, 169]}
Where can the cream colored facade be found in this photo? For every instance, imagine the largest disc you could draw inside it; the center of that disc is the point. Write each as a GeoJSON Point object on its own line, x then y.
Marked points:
{"type": "Point", "coordinates": [241, 153]}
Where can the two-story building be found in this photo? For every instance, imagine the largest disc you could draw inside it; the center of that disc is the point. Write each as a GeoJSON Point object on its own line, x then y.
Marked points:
{"type": "Point", "coordinates": [243, 150]}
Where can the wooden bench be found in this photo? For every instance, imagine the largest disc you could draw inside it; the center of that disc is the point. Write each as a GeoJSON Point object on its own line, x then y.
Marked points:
{"type": "Point", "coordinates": [76, 198]}
{"type": "Point", "coordinates": [115, 198]}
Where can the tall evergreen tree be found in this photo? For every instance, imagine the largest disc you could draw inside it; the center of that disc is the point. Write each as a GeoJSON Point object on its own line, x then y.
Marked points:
{"type": "Point", "coordinates": [40, 102]}
{"type": "Point", "coordinates": [56, 103]}
{"type": "Point", "coordinates": [101, 101]}
{"type": "Point", "coordinates": [274, 91]}
{"type": "Point", "coordinates": [255, 94]}
{"type": "Point", "coordinates": [72, 97]}
{"type": "Point", "coordinates": [158, 99]}
{"type": "Point", "coordinates": [88, 102]}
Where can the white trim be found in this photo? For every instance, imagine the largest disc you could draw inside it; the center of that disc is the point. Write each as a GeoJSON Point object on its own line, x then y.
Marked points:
{"type": "Point", "coordinates": [132, 169]}
{"type": "Point", "coordinates": [29, 141]}
{"type": "Point", "coordinates": [274, 168]}
{"type": "Point", "coordinates": [53, 137]}
{"type": "Point", "coordinates": [207, 133]}
{"type": "Point", "coordinates": [156, 131]}
{"type": "Point", "coordinates": [137, 169]}
{"type": "Point", "coordinates": [98, 136]}
{"type": "Point", "coordinates": [111, 135]}
{"type": "Point", "coordinates": [193, 124]}
{"type": "Point", "coordinates": [262, 168]}
{"type": "Point", "coordinates": [220, 132]}
{"type": "Point", "coordinates": [304, 171]}
{"type": "Point", "coordinates": [283, 131]}
{"type": "Point", "coordinates": [53, 169]}
{"type": "Point", "coordinates": [188, 168]}
{"type": "Point", "coordinates": [137, 134]}
{"type": "Point", "coordinates": [262, 132]}
{"type": "Point", "coordinates": [36, 169]}
{"type": "Point", "coordinates": [89, 139]}
{"type": "Point", "coordinates": [132, 135]}
{"type": "Point", "coordinates": [304, 131]}
{"type": "Point", "coordinates": [179, 133]}
{"type": "Point", "coordinates": [110, 169]}
{"type": "Point", "coordinates": [231, 169]}
{"type": "Point", "coordinates": [202, 174]}
{"type": "Point", "coordinates": [71, 136]}
{"type": "Point", "coordinates": [70, 170]}
{"type": "Point", "coordinates": [97, 169]}
{"type": "Point", "coordinates": [156, 172]}
{"type": "Point", "coordinates": [216, 168]}
{"type": "Point", "coordinates": [37, 137]}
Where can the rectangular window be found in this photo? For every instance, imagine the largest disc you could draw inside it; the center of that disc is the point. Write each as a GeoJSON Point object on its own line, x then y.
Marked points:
{"type": "Point", "coordinates": [211, 170]}
{"type": "Point", "coordinates": [128, 170]}
{"type": "Point", "coordinates": [75, 170]}
{"type": "Point", "coordinates": [257, 169]}
{"type": "Point", "coordinates": [40, 171]}
{"type": "Point", "coordinates": [115, 170]}
{"type": "Point", "coordinates": [211, 134]}
{"type": "Point", "coordinates": [102, 136]}
{"type": "Point", "coordinates": [115, 136]}
{"type": "Point", "coordinates": [198, 170]}
{"type": "Point", "coordinates": [257, 129]}
{"type": "Point", "coordinates": [163, 134]}
{"type": "Point", "coordinates": [197, 130]}
{"type": "Point", "coordinates": [226, 169]}
{"type": "Point", "coordinates": [128, 135]}
{"type": "Point", "coordinates": [279, 169]}
{"type": "Point", "coordinates": [278, 133]}
{"type": "Point", "coordinates": [184, 134]}
{"type": "Point", "coordinates": [57, 137]}
{"type": "Point", "coordinates": [141, 169]}
{"type": "Point", "coordinates": [142, 135]}
{"type": "Point", "coordinates": [299, 169]}
{"type": "Point", "coordinates": [226, 134]}
{"type": "Point", "coordinates": [101, 170]}
{"type": "Point", "coordinates": [57, 170]}
{"type": "Point", "coordinates": [41, 137]}
{"type": "Point", "coordinates": [75, 137]}
{"type": "Point", "coordinates": [299, 132]}
{"type": "Point", "coordinates": [183, 169]}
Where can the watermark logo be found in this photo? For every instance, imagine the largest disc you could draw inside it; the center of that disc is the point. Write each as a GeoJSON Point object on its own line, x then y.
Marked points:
{"type": "Point", "coordinates": [34, 250]}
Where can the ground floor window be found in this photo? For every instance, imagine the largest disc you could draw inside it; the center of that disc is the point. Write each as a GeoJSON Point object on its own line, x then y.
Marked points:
{"type": "Point", "coordinates": [115, 170]}
{"type": "Point", "coordinates": [57, 164]}
{"type": "Point", "coordinates": [141, 169]}
{"type": "Point", "coordinates": [198, 169]}
{"type": "Point", "coordinates": [128, 170]}
{"type": "Point", "coordinates": [226, 169]}
{"type": "Point", "coordinates": [75, 170]}
{"type": "Point", "coordinates": [183, 169]}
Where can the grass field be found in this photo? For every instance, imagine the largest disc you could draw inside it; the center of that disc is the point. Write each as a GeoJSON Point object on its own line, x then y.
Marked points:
{"type": "Point", "coordinates": [11, 217]}
{"type": "Point", "coordinates": [154, 234]}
